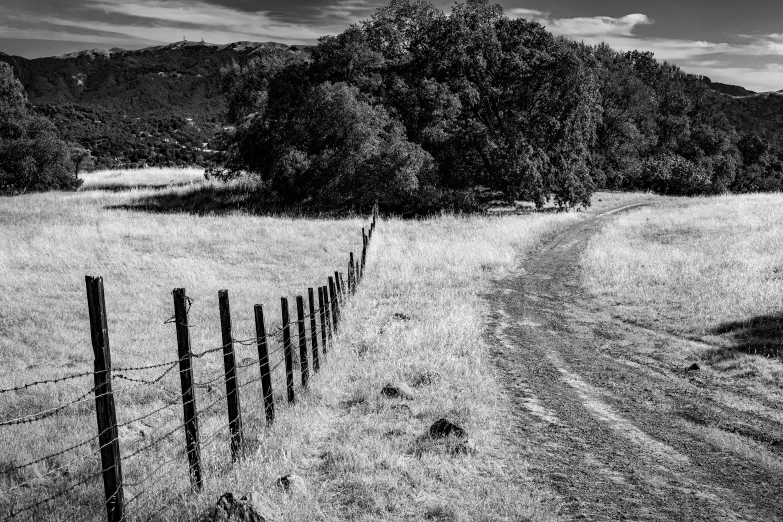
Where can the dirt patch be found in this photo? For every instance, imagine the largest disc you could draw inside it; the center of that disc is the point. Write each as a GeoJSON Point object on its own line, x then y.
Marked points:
{"type": "Point", "coordinates": [607, 414]}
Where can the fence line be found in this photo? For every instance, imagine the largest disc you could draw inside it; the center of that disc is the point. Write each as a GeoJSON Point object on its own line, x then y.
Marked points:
{"type": "Point", "coordinates": [332, 298]}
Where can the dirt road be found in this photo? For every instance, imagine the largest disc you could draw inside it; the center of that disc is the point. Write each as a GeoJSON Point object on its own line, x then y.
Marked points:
{"type": "Point", "coordinates": [608, 415]}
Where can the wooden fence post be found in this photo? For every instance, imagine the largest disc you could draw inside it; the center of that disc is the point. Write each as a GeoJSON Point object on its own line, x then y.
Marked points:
{"type": "Point", "coordinates": [300, 323]}
{"type": "Point", "coordinates": [232, 389]}
{"type": "Point", "coordinates": [339, 290]}
{"type": "Point", "coordinates": [313, 330]}
{"type": "Point", "coordinates": [111, 462]}
{"type": "Point", "coordinates": [263, 363]}
{"type": "Point", "coordinates": [341, 287]}
{"type": "Point", "coordinates": [364, 253]}
{"type": "Point", "coordinates": [335, 305]}
{"type": "Point", "coordinates": [351, 275]}
{"type": "Point", "coordinates": [324, 313]}
{"type": "Point", "coordinates": [289, 358]}
{"type": "Point", "coordinates": [188, 393]}
{"type": "Point", "coordinates": [357, 276]}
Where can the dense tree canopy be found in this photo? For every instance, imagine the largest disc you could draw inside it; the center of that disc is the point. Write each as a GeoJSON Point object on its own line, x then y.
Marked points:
{"type": "Point", "coordinates": [32, 156]}
{"type": "Point", "coordinates": [422, 110]}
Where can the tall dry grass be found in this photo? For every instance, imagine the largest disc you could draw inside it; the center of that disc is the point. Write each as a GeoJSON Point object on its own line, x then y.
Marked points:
{"type": "Point", "coordinates": [709, 268]}
{"type": "Point", "coordinates": [418, 317]}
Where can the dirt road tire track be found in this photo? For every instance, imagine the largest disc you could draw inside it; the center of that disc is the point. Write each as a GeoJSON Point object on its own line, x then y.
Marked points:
{"type": "Point", "coordinates": [605, 412]}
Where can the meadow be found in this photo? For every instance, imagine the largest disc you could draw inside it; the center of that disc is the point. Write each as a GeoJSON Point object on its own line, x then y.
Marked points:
{"type": "Point", "coordinates": [709, 269]}
{"type": "Point", "coordinates": [123, 179]}
{"type": "Point", "coordinates": [418, 317]}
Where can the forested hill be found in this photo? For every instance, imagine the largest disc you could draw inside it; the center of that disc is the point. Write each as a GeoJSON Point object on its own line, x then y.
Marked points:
{"type": "Point", "coordinates": [156, 106]}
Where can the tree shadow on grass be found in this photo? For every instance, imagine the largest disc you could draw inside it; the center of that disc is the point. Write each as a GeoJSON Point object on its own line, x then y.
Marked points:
{"type": "Point", "coordinates": [762, 335]}
{"type": "Point", "coordinates": [215, 198]}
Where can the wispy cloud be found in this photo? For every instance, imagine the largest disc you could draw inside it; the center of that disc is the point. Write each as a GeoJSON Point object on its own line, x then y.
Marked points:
{"type": "Point", "coordinates": [168, 20]}
{"type": "Point", "coordinates": [724, 62]}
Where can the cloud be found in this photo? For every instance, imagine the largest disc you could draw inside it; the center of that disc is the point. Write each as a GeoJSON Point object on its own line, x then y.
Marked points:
{"type": "Point", "coordinates": [169, 20]}
{"type": "Point", "coordinates": [755, 61]}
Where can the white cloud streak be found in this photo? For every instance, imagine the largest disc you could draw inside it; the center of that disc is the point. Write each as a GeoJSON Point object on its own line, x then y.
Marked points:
{"type": "Point", "coordinates": [166, 20]}
{"type": "Point", "coordinates": [698, 57]}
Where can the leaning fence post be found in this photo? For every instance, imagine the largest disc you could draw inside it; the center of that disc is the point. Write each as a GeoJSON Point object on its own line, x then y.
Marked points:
{"type": "Point", "coordinates": [263, 362]}
{"type": "Point", "coordinates": [232, 390]}
{"type": "Point", "coordinates": [289, 359]}
{"type": "Point", "coordinates": [188, 393]}
{"type": "Point", "coordinates": [341, 286]}
{"type": "Point", "coordinates": [357, 276]}
{"type": "Point", "coordinates": [104, 402]}
{"type": "Point", "coordinates": [351, 276]}
{"type": "Point", "coordinates": [324, 316]}
{"type": "Point", "coordinates": [328, 314]}
{"type": "Point", "coordinates": [300, 323]}
{"type": "Point", "coordinates": [364, 255]}
{"type": "Point", "coordinates": [335, 305]}
{"type": "Point", "coordinates": [313, 329]}
{"type": "Point", "coordinates": [339, 289]}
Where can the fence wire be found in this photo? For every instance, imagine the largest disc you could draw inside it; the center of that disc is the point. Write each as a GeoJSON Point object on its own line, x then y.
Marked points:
{"type": "Point", "coordinates": [322, 314]}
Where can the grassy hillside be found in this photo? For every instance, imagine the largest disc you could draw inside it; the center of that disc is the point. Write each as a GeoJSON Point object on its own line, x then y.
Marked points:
{"type": "Point", "coordinates": [418, 318]}
{"type": "Point", "coordinates": [155, 106]}
{"type": "Point", "coordinates": [707, 269]}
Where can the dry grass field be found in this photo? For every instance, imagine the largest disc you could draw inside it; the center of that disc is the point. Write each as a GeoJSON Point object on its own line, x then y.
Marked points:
{"type": "Point", "coordinates": [418, 317]}
{"type": "Point", "coordinates": [139, 178]}
{"type": "Point", "coordinates": [709, 269]}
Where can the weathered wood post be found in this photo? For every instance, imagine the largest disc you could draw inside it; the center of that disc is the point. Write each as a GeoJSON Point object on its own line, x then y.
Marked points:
{"type": "Point", "coordinates": [339, 290]}
{"type": "Point", "coordinates": [335, 305]}
{"type": "Point", "coordinates": [324, 312]}
{"type": "Point", "coordinates": [300, 323]}
{"type": "Point", "coordinates": [289, 358]}
{"type": "Point", "coordinates": [188, 392]}
{"type": "Point", "coordinates": [111, 462]}
{"type": "Point", "coordinates": [263, 363]}
{"type": "Point", "coordinates": [232, 390]}
{"type": "Point", "coordinates": [351, 276]}
{"type": "Point", "coordinates": [364, 252]}
{"type": "Point", "coordinates": [313, 329]}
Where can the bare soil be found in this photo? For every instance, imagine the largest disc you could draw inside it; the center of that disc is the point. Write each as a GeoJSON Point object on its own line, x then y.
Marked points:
{"type": "Point", "coordinates": [607, 415]}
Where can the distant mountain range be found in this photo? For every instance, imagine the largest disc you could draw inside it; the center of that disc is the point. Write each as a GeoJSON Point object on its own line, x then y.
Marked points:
{"type": "Point", "coordinates": [162, 105]}
{"type": "Point", "coordinates": [749, 111]}
{"type": "Point", "coordinates": [155, 106]}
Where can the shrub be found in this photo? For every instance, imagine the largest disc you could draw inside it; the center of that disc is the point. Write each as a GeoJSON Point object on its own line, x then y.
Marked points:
{"type": "Point", "coordinates": [32, 156]}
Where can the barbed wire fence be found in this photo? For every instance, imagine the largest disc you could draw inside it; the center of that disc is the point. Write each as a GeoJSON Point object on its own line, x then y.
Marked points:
{"type": "Point", "coordinates": [280, 354]}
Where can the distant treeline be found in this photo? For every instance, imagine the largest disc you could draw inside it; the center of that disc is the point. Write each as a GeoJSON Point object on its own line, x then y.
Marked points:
{"type": "Point", "coordinates": [422, 110]}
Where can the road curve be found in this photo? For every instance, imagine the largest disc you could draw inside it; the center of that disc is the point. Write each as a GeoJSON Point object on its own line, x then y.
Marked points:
{"type": "Point", "coordinates": [605, 412]}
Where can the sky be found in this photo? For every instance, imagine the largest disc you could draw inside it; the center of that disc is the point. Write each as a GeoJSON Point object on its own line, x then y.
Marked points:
{"type": "Point", "coordinates": [732, 41]}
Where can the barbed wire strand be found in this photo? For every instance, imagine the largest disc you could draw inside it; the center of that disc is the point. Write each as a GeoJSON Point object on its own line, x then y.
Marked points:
{"type": "Point", "coordinates": [48, 381]}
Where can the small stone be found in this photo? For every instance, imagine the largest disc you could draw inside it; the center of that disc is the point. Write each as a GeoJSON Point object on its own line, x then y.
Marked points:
{"type": "Point", "coordinates": [402, 317]}
{"type": "Point", "coordinates": [249, 508]}
{"type": "Point", "coordinates": [443, 428]}
{"type": "Point", "coordinates": [398, 390]}
{"type": "Point", "coordinates": [693, 368]}
{"type": "Point", "coordinates": [292, 484]}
